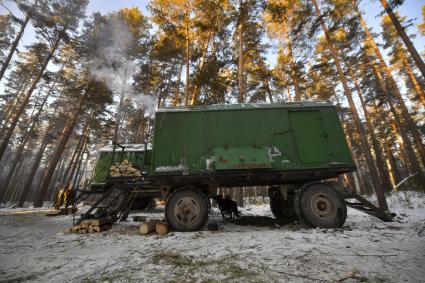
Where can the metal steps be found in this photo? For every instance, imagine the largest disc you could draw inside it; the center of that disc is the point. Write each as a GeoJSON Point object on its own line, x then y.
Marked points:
{"type": "Point", "coordinates": [113, 201]}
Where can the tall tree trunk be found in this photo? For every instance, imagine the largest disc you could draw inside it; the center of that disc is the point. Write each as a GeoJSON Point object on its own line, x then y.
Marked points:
{"type": "Point", "coordinates": [13, 184]}
{"type": "Point", "coordinates": [29, 180]}
{"type": "Point", "coordinates": [15, 44]}
{"type": "Point", "coordinates": [56, 155]}
{"type": "Point", "coordinates": [83, 172]}
{"type": "Point", "coordinates": [80, 148]}
{"type": "Point", "coordinates": [177, 92]}
{"type": "Point", "coordinates": [27, 135]}
{"type": "Point", "coordinates": [196, 89]}
{"type": "Point", "coordinates": [71, 176]}
{"type": "Point", "coordinates": [268, 90]}
{"type": "Point", "coordinates": [37, 159]}
{"type": "Point", "coordinates": [418, 88]}
{"type": "Point", "coordinates": [9, 131]}
{"type": "Point", "coordinates": [66, 176]}
{"type": "Point", "coordinates": [412, 128]}
{"type": "Point", "coordinates": [359, 172]}
{"type": "Point", "coordinates": [140, 135]}
{"type": "Point", "coordinates": [12, 104]}
{"type": "Point", "coordinates": [372, 169]}
{"type": "Point", "coordinates": [409, 149]}
{"type": "Point", "coordinates": [293, 72]}
{"type": "Point", "coordinates": [402, 33]}
{"type": "Point", "coordinates": [75, 181]}
{"type": "Point", "coordinates": [387, 144]}
{"type": "Point", "coordinates": [402, 150]}
{"type": "Point", "coordinates": [241, 29]}
{"type": "Point", "coordinates": [384, 173]}
{"type": "Point", "coordinates": [16, 184]}
{"type": "Point", "coordinates": [187, 23]}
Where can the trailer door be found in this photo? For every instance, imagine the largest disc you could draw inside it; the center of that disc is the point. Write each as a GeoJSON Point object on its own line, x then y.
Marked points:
{"type": "Point", "coordinates": [310, 136]}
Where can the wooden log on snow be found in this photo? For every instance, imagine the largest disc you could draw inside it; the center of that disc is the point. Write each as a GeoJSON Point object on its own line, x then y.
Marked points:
{"type": "Point", "coordinates": [102, 221]}
{"type": "Point", "coordinates": [75, 229]}
{"type": "Point", "coordinates": [85, 223]}
{"type": "Point", "coordinates": [162, 228]}
{"type": "Point", "coordinates": [148, 227]}
{"type": "Point", "coordinates": [68, 230]}
{"type": "Point", "coordinates": [96, 229]}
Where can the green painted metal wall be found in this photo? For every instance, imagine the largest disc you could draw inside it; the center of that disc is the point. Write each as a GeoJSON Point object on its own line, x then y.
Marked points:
{"type": "Point", "coordinates": [248, 136]}
{"type": "Point", "coordinates": [106, 159]}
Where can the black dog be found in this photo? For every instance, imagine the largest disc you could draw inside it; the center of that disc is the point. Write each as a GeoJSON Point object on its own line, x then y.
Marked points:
{"type": "Point", "coordinates": [227, 206]}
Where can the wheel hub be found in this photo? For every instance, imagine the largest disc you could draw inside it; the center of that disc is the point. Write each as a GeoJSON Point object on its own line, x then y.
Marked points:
{"type": "Point", "coordinates": [187, 210]}
{"type": "Point", "coordinates": [322, 206]}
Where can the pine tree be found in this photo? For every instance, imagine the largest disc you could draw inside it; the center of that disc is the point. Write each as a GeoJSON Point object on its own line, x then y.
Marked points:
{"type": "Point", "coordinates": [29, 10]}
{"type": "Point", "coordinates": [400, 59]}
{"type": "Point", "coordinates": [53, 29]}
{"type": "Point", "coordinates": [402, 33]}
{"type": "Point", "coordinates": [337, 61]}
{"type": "Point", "coordinates": [285, 21]}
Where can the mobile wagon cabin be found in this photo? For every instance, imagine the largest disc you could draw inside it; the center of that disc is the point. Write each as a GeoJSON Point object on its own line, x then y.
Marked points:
{"type": "Point", "coordinates": [289, 147]}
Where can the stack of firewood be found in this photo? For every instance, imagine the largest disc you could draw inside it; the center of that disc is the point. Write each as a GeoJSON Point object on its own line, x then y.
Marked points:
{"type": "Point", "coordinates": [91, 226]}
{"type": "Point", "coordinates": [152, 226]}
{"type": "Point", "coordinates": [124, 169]}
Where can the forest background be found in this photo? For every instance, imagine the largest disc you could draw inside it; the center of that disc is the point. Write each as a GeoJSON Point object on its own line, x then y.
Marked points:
{"type": "Point", "coordinates": [73, 79]}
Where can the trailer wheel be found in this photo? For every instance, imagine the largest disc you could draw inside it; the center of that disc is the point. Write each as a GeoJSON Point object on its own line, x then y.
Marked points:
{"type": "Point", "coordinates": [320, 205]}
{"type": "Point", "coordinates": [283, 209]}
{"type": "Point", "coordinates": [187, 210]}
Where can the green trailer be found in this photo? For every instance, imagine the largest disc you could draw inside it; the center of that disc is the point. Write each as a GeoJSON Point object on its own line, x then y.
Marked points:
{"type": "Point", "coordinates": [235, 141]}
{"type": "Point", "coordinates": [285, 146]}
{"type": "Point", "coordinates": [108, 155]}
{"type": "Point", "coordinates": [288, 147]}
{"type": "Point", "coordinates": [111, 154]}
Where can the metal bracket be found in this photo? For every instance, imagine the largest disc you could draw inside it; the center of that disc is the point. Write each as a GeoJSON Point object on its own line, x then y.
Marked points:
{"type": "Point", "coordinates": [165, 191]}
{"type": "Point", "coordinates": [283, 191]}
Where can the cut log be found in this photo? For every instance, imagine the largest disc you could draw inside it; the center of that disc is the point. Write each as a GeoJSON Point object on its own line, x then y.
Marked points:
{"type": "Point", "coordinates": [139, 218]}
{"type": "Point", "coordinates": [85, 223]}
{"type": "Point", "coordinates": [148, 227]}
{"type": "Point", "coordinates": [54, 213]}
{"type": "Point", "coordinates": [102, 228]}
{"type": "Point", "coordinates": [162, 228]}
{"type": "Point", "coordinates": [102, 221]}
{"type": "Point", "coordinates": [68, 230]}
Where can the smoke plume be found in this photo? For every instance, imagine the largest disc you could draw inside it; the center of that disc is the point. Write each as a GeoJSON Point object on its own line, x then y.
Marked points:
{"type": "Point", "coordinates": [114, 66]}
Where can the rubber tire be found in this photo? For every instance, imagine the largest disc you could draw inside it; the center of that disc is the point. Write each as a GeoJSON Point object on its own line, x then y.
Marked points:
{"type": "Point", "coordinates": [305, 214]}
{"type": "Point", "coordinates": [175, 197]}
{"type": "Point", "coordinates": [283, 209]}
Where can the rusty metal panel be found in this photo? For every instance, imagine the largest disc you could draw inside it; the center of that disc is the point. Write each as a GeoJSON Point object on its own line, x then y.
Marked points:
{"type": "Point", "coordinates": [241, 158]}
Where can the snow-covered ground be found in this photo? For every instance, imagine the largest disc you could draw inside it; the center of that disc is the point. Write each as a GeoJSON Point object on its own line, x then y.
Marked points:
{"type": "Point", "coordinates": [34, 248]}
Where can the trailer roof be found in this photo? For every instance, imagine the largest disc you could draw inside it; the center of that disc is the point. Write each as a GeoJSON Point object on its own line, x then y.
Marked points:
{"type": "Point", "coordinates": [245, 106]}
{"type": "Point", "coordinates": [129, 147]}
